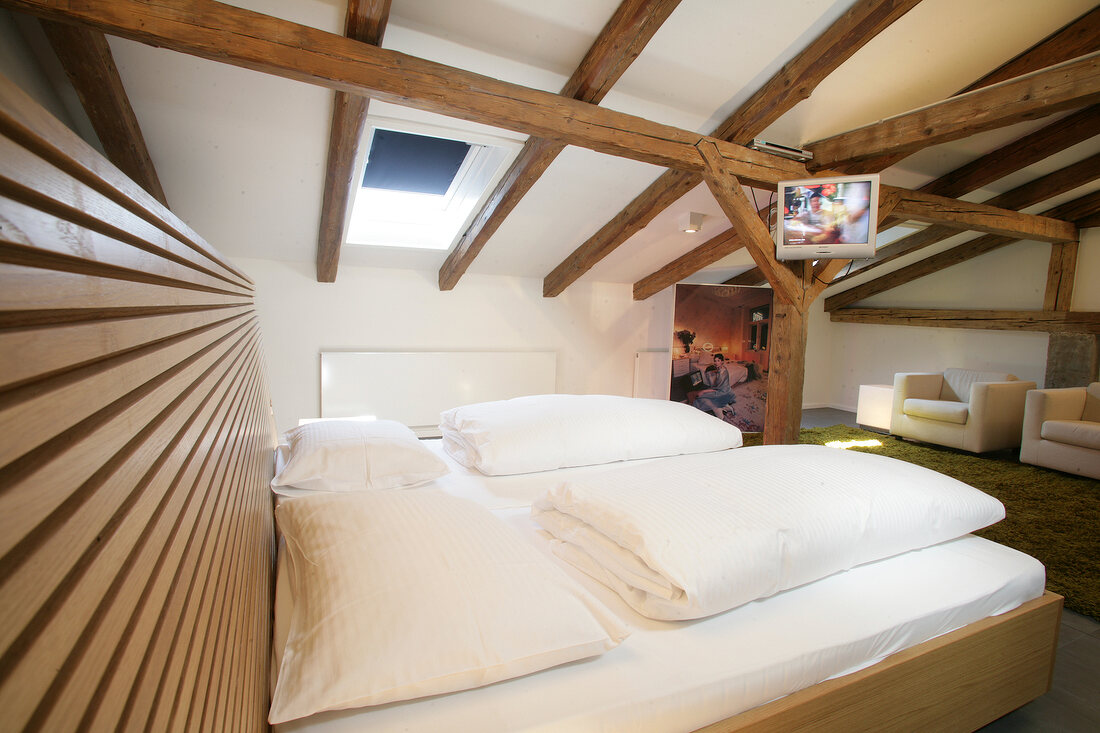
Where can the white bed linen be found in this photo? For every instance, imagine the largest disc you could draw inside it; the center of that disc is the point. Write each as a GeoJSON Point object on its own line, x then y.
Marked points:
{"type": "Point", "coordinates": [671, 676]}
{"type": "Point", "coordinates": [699, 534]}
{"type": "Point", "coordinates": [492, 492]}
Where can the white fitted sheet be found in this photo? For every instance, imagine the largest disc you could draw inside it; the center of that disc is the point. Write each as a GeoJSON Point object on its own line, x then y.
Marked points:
{"type": "Point", "coordinates": [682, 675]}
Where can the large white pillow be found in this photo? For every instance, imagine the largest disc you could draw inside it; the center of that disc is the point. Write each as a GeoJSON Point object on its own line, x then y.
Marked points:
{"type": "Point", "coordinates": [545, 432]}
{"type": "Point", "coordinates": [351, 455]}
{"type": "Point", "coordinates": [398, 595]}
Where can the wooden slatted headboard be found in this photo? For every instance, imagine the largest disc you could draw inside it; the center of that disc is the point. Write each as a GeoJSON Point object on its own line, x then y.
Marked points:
{"type": "Point", "coordinates": [137, 544]}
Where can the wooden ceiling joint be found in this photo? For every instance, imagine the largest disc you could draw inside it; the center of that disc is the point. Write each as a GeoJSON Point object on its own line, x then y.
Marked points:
{"type": "Point", "coordinates": [1031, 148]}
{"type": "Point", "coordinates": [744, 219]}
{"type": "Point", "coordinates": [790, 85]}
{"type": "Point", "coordinates": [618, 44]}
{"type": "Point", "coordinates": [87, 60]}
{"type": "Point", "coordinates": [365, 22]}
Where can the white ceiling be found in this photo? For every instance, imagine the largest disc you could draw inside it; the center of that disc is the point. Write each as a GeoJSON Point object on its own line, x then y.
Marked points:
{"type": "Point", "coordinates": [241, 155]}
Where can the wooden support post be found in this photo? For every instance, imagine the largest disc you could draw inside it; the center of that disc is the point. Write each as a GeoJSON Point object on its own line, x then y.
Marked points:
{"type": "Point", "coordinates": [1061, 273]}
{"type": "Point", "coordinates": [786, 374]}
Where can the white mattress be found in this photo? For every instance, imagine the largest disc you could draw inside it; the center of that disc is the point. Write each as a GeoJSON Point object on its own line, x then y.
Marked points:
{"type": "Point", "coordinates": [682, 675]}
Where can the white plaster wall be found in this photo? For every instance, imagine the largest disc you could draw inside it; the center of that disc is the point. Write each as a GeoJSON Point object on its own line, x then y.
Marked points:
{"type": "Point", "coordinates": [596, 328]}
{"type": "Point", "coordinates": [1013, 277]}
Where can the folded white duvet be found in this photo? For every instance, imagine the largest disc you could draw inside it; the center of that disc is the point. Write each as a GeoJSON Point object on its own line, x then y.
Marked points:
{"type": "Point", "coordinates": [691, 536]}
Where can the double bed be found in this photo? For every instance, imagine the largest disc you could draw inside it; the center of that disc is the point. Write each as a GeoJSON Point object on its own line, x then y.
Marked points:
{"type": "Point", "coordinates": [141, 548]}
{"type": "Point", "coordinates": [896, 643]}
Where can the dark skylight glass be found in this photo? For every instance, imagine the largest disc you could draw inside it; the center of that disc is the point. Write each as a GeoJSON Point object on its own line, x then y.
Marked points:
{"type": "Point", "coordinates": [400, 161]}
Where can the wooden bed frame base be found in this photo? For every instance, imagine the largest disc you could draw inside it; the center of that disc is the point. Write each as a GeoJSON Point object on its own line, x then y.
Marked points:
{"type": "Point", "coordinates": [956, 682]}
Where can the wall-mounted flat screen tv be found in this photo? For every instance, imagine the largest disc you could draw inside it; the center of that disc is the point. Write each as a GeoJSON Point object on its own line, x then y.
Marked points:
{"type": "Point", "coordinates": [822, 218]}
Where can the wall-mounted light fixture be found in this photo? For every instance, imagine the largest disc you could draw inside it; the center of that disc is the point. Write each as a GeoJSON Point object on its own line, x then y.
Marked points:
{"type": "Point", "coordinates": [691, 222]}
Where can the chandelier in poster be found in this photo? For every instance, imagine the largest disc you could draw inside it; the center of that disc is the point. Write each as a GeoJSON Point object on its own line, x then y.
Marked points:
{"type": "Point", "coordinates": [720, 351]}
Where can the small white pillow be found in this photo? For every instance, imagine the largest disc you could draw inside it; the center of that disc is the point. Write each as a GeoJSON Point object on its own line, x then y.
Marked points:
{"type": "Point", "coordinates": [545, 432]}
{"type": "Point", "coordinates": [350, 455]}
{"type": "Point", "coordinates": [398, 595]}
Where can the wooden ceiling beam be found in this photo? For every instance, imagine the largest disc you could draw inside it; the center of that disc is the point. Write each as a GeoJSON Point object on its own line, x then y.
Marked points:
{"type": "Point", "coordinates": [990, 320]}
{"type": "Point", "coordinates": [1077, 38]}
{"type": "Point", "coordinates": [88, 62]}
{"type": "Point", "coordinates": [366, 22]}
{"type": "Point", "coordinates": [618, 44]}
{"type": "Point", "coordinates": [1071, 211]}
{"type": "Point", "coordinates": [1029, 194]}
{"type": "Point", "coordinates": [790, 85]}
{"type": "Point", "coordinates": [229, 34]}
{"type": "Point", "coordinates": [1068, 85]}
{"type": "Point", "coordinates": [1020, 197]}
{"type": "Point", "coordinates": [234, 35]}
{"type": "Point", "coordinates": [712, 250]}
{"type": "Point", "coordinates": [1061, 274]}
{"type": "Point", "coordinates": [993, 166]}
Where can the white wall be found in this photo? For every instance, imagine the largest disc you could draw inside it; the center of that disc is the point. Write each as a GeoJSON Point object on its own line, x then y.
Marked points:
{"type": "Point", "coordinates": [1013, 277]}
{"type": "Point", "coordinates": [595, 327]}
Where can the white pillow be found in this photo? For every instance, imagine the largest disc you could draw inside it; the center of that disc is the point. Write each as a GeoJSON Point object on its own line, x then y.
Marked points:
{"type": "Point", "coordinates": [398, 595]}
{"type": "Point", "coordinates": [545, 432]}
{"type": "Point", "coordinates": [350, 455]}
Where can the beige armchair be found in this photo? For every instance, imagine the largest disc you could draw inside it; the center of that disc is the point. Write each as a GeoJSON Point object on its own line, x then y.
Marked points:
{"type": "Point", "coordinates": [1062, 429]}
{"type": "Point", "coordinates": [961, 408]}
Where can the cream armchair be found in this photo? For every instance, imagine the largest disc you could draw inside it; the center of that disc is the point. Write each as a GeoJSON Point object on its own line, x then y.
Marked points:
{"type": "Point", "coordinates": [961, 408]}
{"type": "Point", "coordinates": [1062, 429]}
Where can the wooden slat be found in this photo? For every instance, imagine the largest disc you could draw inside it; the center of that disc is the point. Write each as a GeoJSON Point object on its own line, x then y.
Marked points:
{"type": "Point", "coordinates": [366, 21]}
{"type": "Point", "coordinates": [90, 66]}
{"type": "Point", "coordinates": [618, 44]}
{"type": "Point", "coordinates": [790, 85]}
{"type": "Point", "coordinates": [995, 320]}
{"type": "Point", "coordinates": [72, 201]}
{"type": "Point", "coordinates": [137, 452]}
{"type": "Point", "coordinates": [32, 127]}
{"type": "Point", "coordinates": [1068, 85]}
{"type": "Point", "coordinates": [25, 355]}
{"type": "Point", "coordinates": [100, 577]}
{"type": "Point", "coordinates": [166, 536]}
{"type": "Point", "coordinates": [85, 391]}
{"type": "Point", "coordinates": [33, 296]}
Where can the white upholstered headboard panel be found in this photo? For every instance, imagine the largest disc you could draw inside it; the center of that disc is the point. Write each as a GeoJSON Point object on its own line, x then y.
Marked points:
{"type": "Point", "coordinates": [414, 387]}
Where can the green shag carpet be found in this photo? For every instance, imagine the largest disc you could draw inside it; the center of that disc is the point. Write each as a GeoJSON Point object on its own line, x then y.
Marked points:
{"type": "Point", "coordinates": [1052, 516]}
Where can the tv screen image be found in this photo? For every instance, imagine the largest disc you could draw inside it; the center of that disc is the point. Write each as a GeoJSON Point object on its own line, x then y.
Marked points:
{"type": "Point", "coordinates": [827, 217]}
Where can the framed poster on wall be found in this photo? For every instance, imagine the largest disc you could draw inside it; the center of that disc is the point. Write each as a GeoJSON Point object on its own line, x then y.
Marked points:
{"type": "Point", "coordinates": [720, 351]}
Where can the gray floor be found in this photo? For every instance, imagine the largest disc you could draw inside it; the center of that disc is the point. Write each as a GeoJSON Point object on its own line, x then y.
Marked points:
{"type": "Point", "coordinates": [1073, 703]}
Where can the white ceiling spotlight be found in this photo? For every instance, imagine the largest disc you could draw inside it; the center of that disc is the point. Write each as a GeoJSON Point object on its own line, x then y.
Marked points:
{"type": "Point", "coordinates": [691, 222]}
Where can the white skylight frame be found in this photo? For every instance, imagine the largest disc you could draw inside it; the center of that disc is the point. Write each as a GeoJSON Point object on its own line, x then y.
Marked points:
{"type": "Point", "coordinates": [407, 220]}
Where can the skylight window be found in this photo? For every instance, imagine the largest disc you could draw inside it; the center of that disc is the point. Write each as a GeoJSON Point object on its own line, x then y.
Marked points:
{"type": "Point", "coordinates": [401, 161]}
{"type": "Point", "coordinates": [418, 190]}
